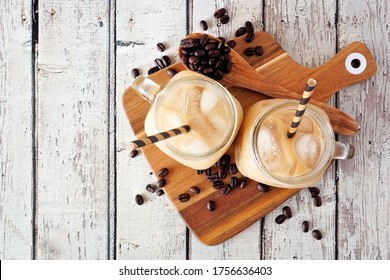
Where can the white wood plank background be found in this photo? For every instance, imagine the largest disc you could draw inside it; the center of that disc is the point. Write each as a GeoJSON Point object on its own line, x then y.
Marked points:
{"type": "Point", "coordinates": [67, 182]}
{"type": "Point", "coordinates": [16, 129]}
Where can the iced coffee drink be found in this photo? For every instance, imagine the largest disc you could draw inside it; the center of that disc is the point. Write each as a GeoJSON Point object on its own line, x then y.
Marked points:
{"type": "Point", "coordinates": [264, 152]}
{"type": "Point", "coordinates": [213, 114]}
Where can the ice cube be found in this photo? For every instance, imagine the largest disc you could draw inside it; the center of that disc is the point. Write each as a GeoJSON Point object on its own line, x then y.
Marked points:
{"type": "Point", "coordinates": [308, 149]}
{"type": "Point", "coordinates": [170, 118]}
{"type": "Point", "coordinates": [193, 101]}
{"type": "Point", "coordinates": [209, 101]}
{"type": "Point", "coordinates": [197, 146]}
{"type": "Point", "coordinates": [176, 99]}
{"type": "Point", "coordinates": [306, 124]}
{"type": "Point", "coordinates": [270, 147]}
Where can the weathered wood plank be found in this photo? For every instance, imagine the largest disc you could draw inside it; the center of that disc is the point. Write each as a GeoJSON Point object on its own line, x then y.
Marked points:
{"type": "Point", "coordinates": [364, 196]}
{"type": "Point", "coordinates": [72, 130]}
{"type": "Point", "coordinates": [153, 230]}
{"type": "Point", "coordinates": [245, 245]}
{"type": "Point", "coordinates": [16, 148]}
{"type": "Point", "coordinates": [306, 31]}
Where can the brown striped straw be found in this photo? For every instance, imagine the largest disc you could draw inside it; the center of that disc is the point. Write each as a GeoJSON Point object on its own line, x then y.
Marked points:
{"type": "Point", "coordinates": [139, 143]}
{"type": "Point", "coordinates": [311, 83]}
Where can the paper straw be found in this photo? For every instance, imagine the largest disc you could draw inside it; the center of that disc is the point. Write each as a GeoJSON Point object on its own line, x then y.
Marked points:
{"type": "Point", "coordinates": [311, 83]}
{"type": "Point", "coordinates": [139, 143]}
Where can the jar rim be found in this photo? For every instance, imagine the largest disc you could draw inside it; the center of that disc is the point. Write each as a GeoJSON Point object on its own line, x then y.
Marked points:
{"type": "Point", "coordinates": [327, 151]}
{"type": "Point", "coordinates": [230, 102]}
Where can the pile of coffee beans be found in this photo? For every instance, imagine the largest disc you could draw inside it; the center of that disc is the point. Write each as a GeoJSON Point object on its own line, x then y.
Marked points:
{"type": "Point", "coordinates": [206, 55]}
{"type": "Point", "coordinates": [223, 176]}
{"type": "Point", "coordinates": [156, 188]}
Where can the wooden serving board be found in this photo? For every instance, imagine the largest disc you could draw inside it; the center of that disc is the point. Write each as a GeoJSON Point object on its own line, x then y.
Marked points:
{"type": "Point", "coordinates": [241, 207]}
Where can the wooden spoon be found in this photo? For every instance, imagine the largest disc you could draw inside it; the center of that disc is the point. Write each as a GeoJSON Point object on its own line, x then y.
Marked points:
{"type": "Point", "coordinates": [242, 75]}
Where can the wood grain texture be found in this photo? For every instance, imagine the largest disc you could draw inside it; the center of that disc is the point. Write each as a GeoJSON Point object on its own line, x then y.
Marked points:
{"type": "Point", "coordinates": [16, 171]}
{"type": "Point", "coordinates": [72, 130]}
{"type": "Point", "coordinates": [246, 244]}
{"type": "Point", "coordinates": [153, 230]}
{"type": "Point", "coordinates": [306, 31]}
{"type": "Point", "coordinates": [364, 197]}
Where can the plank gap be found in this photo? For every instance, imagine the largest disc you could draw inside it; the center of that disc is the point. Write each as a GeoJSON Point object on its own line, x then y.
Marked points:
{"type": "Point", "coordinates": [34, 139]}
{"type": "Point", "coordinates": [112, 112]}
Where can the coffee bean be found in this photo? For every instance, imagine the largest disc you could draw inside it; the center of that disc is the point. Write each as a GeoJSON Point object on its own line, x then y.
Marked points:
{"type": "Point", "coordinates": [150, 188]}
{"type": "Point", "coordinates": [227, 67]}
{"type": "Point", "coordinates": [204, 40]}
{"type": "Point", "coordinates": [249, 37]}
{"type": "Point", "coordinates": [259, 50]}
{"type": "Point", "coordinates": [133, 153]}
{"type": "Point", "coordinates": [208, 171]}
{"type": "Point", "coordinates": [263, 187]}
{"type": "Point", "coordinates": [214, 53]}
{"type": "Point", "coordinates": [159, 63]}
{"type": "Point", "coordinates": [224, 19]}
{"type": "Point", "coordinates": [160, 192]}
{"type": "Point", "coordinates": [210, 46]}
{"type": "Point", "coordinates": [218, 184]}
{"type": "Point", "coordinates": [135, 73]}
{"type": "Point", "coordinates": [233, 181]}
{"type": "Point", "coordinates": [195, 189]}
{"type": "Point", "coordinates": [240, 31]}
{"type": "Point", "coordinates": [242, 184]}
{"type": "Point", "coordinates": [218, 75]}
{"type": "Point", "coordinates": [192, 67]}
{"type": "Point", "coordinates": [211, 205]}
{"type": "Point", "coordinates": [184, 197]}
{"type": "Point", "coordinates": [203, 25]}
{"type": "Point", "coordinates": [193, 60]}
{"type": "Point", "coordinates": [231, 43]}
{"type": "Point", "coordinates": [208, 71]}
{"type": "Point", "coordinates": [314, 191]}
{"type": "Point", "coordinates": [161, 183]}
{"type": "Point", "coordinates": [280, 219]}
{"type": "Point", "coordinates": [199, 172]}
{"type": "Point", "coordinates": [222, 172]}
{"type": "Point", "coordinates": [200, 52]}
{"type": "Point", "coordinates": [317, 201]}
{"type": "Point", "coordinates": [139, 199]}
{"type": "Point", "coordinates": [185, 59]}
{"type": "Point", "coordinates": [233, 169]}
{"type": "Point", "coordinates": [287, 212]}
{"type": "Point", "coordinates": [317, 234]}
{"type": "Point", "coordinates": [153, 70]}
{"type": "Point", "coordinates": [305, 226]}
{"type": "Point", "coordinates": [225, 159]}
{"type": "Point", "coordinates": [249, 26]}
{"type": "Point", "coordinates": [163, 172]}
{"type": "Point", "coordinates": [226, 190]}
{"type": "Point", "coordinates": [171, 72]}
{"type": "Point", "coordinates": [221, 43]}
{"type": "Point", "coordinates": [250, 51]}
{"type": "Point", "coordinates": [187, 43]}
{"type": "Point", "coordinates": [166, 60]}
{"type": "Point", "coordinates": [220, 12]}
{"type": "Point", "coordinates": [161, 47]}
{"type": "Point", "coordinates": [213, 178]}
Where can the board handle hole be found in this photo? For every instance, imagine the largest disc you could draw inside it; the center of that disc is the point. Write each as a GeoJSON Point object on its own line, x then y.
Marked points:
{"type": "Point", "coordinates": [355, 63]}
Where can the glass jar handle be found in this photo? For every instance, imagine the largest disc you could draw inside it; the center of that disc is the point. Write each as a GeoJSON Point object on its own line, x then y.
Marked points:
{"type": "Point", "coordinates": [343, 151]}
{"type": "Point", "coordinates": [146, 88]}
